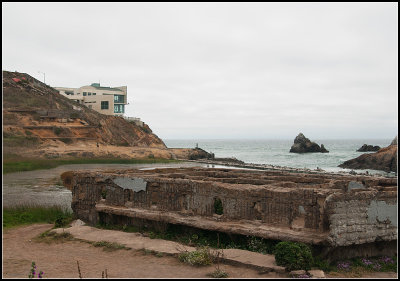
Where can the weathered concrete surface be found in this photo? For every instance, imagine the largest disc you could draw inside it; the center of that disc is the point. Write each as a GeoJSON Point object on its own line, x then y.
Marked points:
{"type": "Point", "coordinates": [329, 210]}
{"type": "Point", "coordinates": [243, 227]}
{"type": "Point", "coordinates": [136, 241]}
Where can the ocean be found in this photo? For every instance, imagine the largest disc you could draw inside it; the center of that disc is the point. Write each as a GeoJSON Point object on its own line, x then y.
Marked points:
{"type": "Point", "coordinates": [276, 152]}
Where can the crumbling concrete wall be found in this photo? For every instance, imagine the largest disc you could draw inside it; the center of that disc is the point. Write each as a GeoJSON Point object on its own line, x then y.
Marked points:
{"type": "Point", "coordinates": [330, 210]}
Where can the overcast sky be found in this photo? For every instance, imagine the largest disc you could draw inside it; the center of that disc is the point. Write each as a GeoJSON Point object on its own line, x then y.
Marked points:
{"type": "Point", "coordinates": [221, 70]}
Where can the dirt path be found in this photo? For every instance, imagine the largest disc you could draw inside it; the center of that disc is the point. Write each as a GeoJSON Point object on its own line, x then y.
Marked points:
{"type": "Point", "coordinates": [58, 260]}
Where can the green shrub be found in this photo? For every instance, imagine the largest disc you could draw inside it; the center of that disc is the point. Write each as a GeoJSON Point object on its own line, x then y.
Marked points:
{"type": "Point", "coordinates": [260, 245]}
{"type": "Point", "coordinates": [293, 255]}
{"type": "Point", "coordinates": [74, 115]}
{"type": "Point", "coordinates": [57, 130]}
{"type": "Point", "coordinates": [218, 273]}
{"type": "Point", "coordinates": [201, 256]}
{"type": "Point", "coordinates": [322, 264]}
{"type": "Point", "coordinates": [218, 208]}
{"type": "Point", "coordinates": [66, 140]}
{"type": "Point", "coordinates": [63, 220]}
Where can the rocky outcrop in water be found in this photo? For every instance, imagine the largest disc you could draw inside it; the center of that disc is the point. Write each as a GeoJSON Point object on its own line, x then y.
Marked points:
{"type": "Point", "coordinates": [385, 160]}
{"type": "Point", "coordinates": [304, 145]}
{"type": "Point", "coordinates": [367, 147]}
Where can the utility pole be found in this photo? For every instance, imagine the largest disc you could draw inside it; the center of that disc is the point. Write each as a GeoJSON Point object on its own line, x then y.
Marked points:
{"type": "Point", "coordinates": [44, 76]}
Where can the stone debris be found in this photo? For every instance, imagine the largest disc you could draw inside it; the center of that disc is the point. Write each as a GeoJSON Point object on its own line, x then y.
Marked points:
{"type": "Point", "coordinates": [316, 273]}
{"type": "Point", "coordinates": [77, 222]}
{"type": "Point", "coordinates": [296, 273]}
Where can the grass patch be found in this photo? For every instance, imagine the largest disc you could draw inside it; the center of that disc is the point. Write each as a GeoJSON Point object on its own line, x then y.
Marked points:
{"type": "Point", "coordinates": [51, 237]}
{"type": "Point", "coordinates": [13, 165]}
{"type": "Point", "coordinates": [109, 246]}
{"type": "Point", "coordinates": [218, 273]}
{"type": "Point", "coordinates": [23, 215]}
{"type": "Point", "coordinates": [152, 252]}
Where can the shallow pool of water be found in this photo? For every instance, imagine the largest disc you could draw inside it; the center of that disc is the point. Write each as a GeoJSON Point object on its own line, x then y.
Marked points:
{"type": "Point", "coordinates": [44, 187]}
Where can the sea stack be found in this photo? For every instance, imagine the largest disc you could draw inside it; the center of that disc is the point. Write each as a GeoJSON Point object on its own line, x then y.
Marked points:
{"type": "Point", "coordinates": [304, 145]}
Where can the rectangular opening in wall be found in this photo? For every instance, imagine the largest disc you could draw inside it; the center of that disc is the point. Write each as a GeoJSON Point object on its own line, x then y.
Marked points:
{"type": "Point", "coordinates": [104, 105]}
{"type": "Point", "coordinates": [119, 99]}
{"type": "Point", "coordinates": [119, 108]}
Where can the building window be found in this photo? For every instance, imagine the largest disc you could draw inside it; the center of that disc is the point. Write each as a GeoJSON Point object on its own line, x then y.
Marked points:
{"type": "Point", "coordinates": [118, 98]}
{"type": "Point", "coordinates": [89, 94]}
{"type": "Point", "coordinates": [104, 105]}
{"type": "Point", "coordinates": [90, 106]}
{"type": "Point", "coordinates": [119, 108]}
{"type": "Point", "coordinates": [93, 94]}
{"type": "Point", "coordinates": [84, 93]}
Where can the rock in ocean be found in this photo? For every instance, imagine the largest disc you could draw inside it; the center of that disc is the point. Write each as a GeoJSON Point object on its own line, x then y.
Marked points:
{"type": "Point", "coordinates": [304, 145]}
{"type": "Point", "coordinates": [366, 148]}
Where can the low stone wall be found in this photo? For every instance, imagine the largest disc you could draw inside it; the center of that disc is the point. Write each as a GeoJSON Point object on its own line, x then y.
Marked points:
{"type": "Point", "coordinates": [329, 210]}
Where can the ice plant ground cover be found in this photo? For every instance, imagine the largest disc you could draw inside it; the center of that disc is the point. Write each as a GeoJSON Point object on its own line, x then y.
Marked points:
{"type": "Point", "coordinates": [383, 264]}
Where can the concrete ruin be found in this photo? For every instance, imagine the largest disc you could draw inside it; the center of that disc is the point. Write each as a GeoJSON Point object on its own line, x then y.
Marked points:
{"type": "Point", "coordinates": [344, 214]}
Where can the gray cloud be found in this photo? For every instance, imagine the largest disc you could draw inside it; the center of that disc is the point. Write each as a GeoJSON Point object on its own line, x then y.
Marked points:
{"type": "Point", "coordinates": [222, 70]}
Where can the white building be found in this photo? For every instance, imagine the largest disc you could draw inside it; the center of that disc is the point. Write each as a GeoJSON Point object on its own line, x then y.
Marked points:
{"type": "Point", "coordinates": [106, 100]}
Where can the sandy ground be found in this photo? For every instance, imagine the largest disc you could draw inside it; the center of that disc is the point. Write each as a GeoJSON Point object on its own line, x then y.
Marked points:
{"type": "Point", "coordinates": [58, 260]}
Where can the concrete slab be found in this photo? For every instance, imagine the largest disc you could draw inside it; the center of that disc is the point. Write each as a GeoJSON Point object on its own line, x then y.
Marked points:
{"type": "Point", "coordinates": [136, 241]}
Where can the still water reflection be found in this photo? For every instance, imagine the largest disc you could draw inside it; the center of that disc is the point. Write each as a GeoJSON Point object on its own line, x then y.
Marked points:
{"type": "Point", "coordinates": [44, 187]}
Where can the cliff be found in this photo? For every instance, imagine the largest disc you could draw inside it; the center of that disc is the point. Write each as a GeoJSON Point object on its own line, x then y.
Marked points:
{"type": "Point", "coordinates": [40, 122]}
{"type": "Point", "coordinates": [385, 159]}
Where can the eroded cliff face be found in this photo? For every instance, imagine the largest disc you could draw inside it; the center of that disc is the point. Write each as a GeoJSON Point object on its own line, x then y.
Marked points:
{"type": "Point", "coordinates": [329, 210]}
{"type": "Point", "coordinates": [36, 115]}
{"type": "Point", "coordinates": [384, 159]}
